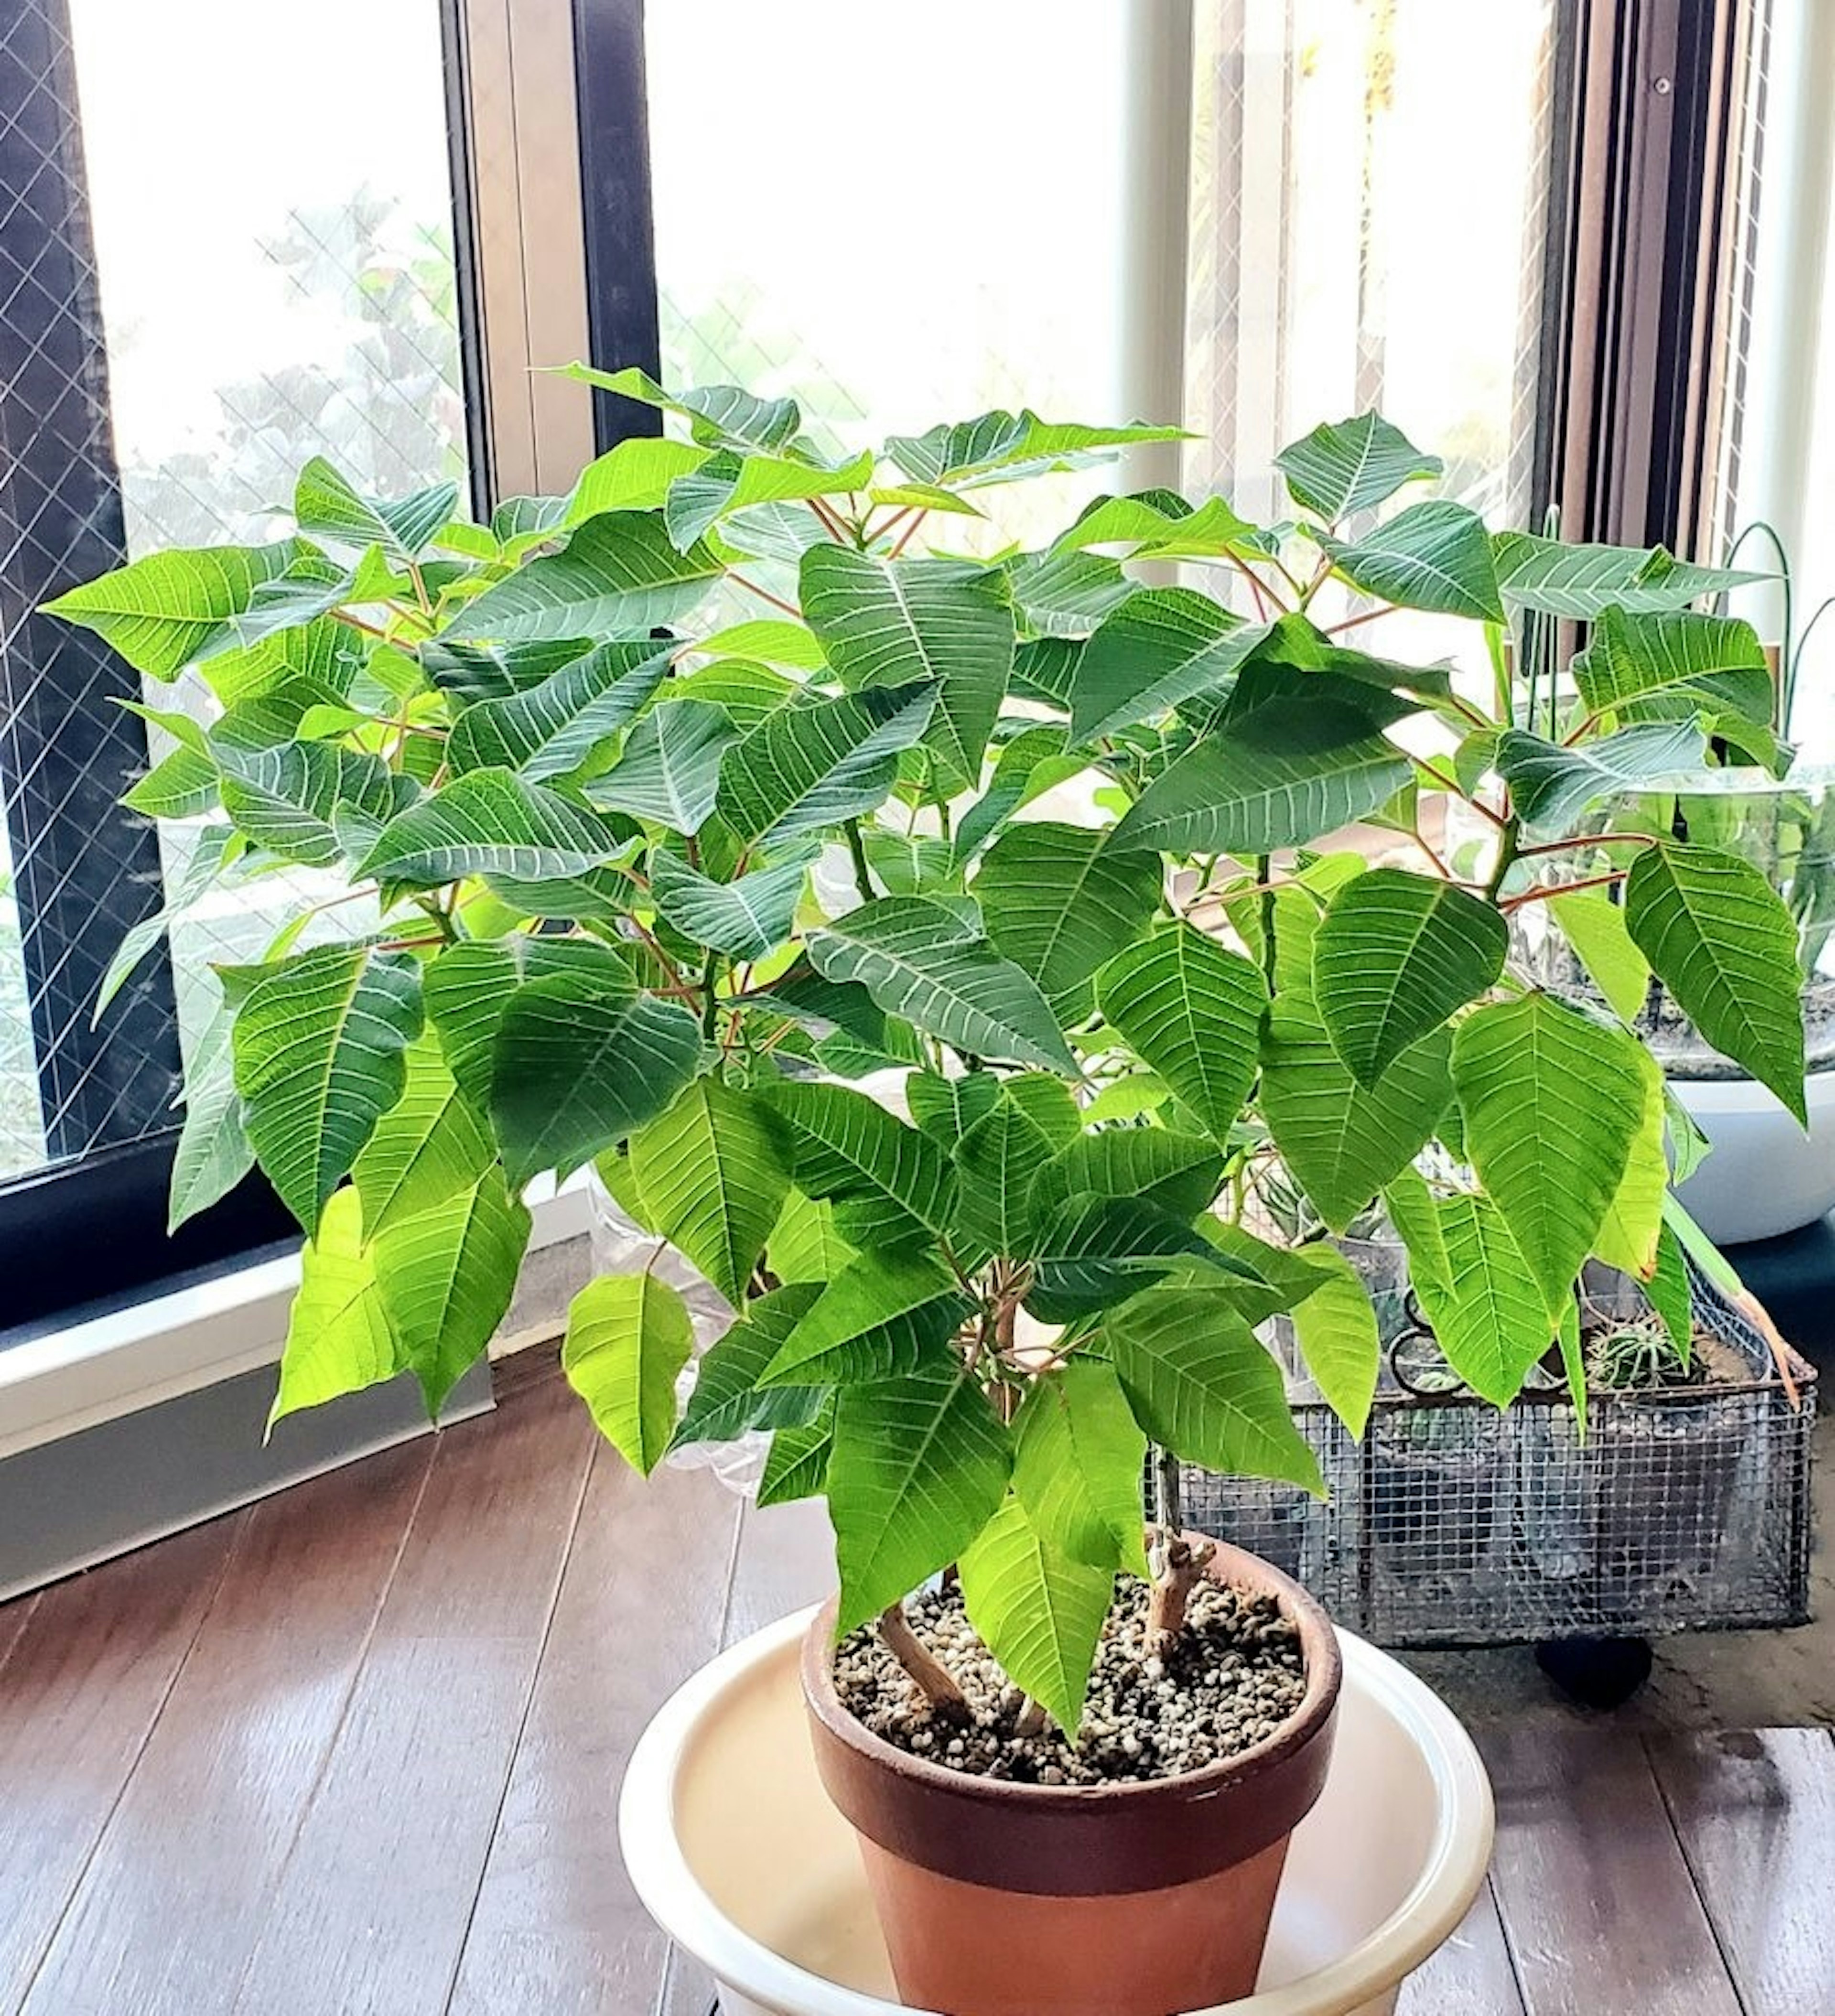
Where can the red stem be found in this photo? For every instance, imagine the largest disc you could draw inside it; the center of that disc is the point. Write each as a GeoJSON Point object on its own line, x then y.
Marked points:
{"type": "Point", "coordinates": [1553, 889]}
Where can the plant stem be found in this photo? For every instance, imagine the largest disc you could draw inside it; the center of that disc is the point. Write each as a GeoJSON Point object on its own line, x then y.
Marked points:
{"type": "Point", "coordinates": [909, 533]}
{"type": "Point", "coordinates": [1354, 622]}
{"type": "Point", "coordinates": [857, 848]}
{"type": "Point", "coordinates": [1264, 868]}
{"type": "Point", "coordinates": [1182, 1569]}
{"type": "Point", "coordinates": [765, 594]}
{"type": "Point", "coordinates": [926, 1673]}
{"type": "Point", "coordinates": [1554, 889]}
{"type": "Point", "coordinates": [1586, 840]}
{"type": "Point", "coordinates": [1506, 856]}
{"type": "Point", "coordinates": [711, 1006]}
{"type": "Point", "coordinates": [1451, 785]}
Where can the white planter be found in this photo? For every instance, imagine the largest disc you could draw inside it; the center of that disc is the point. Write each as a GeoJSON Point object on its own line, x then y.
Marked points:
{"type": "Point", "coordinates": [736, 1853]}
{"type": "Point", "coordinates": [1765, 1175]}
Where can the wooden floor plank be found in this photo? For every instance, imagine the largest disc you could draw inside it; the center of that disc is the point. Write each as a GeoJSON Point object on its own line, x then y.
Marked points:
{"type": "Point", "coordinates": [243, 1739]}
{"type": "Point", "coordinates": [1471, 1974]}
{"type": "Point", "coordinates": [370, 1917]}
{"type": "Point", "coordinates": [1756, 1816]}
{"type": "Point", "coordinates": [557, 1927]}
{"type": "Point", "coordinates": [87, 1675]}
{"type": "Point", "coordinates": [1597, 1903]}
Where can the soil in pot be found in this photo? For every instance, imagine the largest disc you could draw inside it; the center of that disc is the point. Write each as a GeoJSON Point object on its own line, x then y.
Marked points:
{"type": "Point", "coordinates": [1141, 1886]}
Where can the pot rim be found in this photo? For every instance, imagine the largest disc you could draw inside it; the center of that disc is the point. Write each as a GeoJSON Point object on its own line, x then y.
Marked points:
{"type": "Point", "coordinates": [1453, 1872]}
{"type": "Point", "coordinates": [1234, 1566]}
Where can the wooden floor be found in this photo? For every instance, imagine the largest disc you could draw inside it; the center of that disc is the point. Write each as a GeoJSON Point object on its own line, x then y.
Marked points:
{"type": "Point", "coordinates": [356, 1752]}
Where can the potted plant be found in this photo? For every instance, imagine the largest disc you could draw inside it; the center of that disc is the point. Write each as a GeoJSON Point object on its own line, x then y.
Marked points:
{"type": "Point", "coordinates": [609, 871]}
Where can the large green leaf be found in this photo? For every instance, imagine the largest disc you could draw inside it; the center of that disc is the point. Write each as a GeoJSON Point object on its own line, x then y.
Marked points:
{"type": "Point", "coordinates": [581, 1059]}
{"type": "Point", "coordinates": [213, 1154]}
{"type": "Point", "coordinates": [1723, 943]}
{"type": "Point", "coordinates": [1594, 926]}
{"type": "Point", "coordinates": [1066, 594]}
{"type": "Point", "coordinates": [1281, 774]}
{"type": "Point", "coordinates": [1058, 901]}
{"type": "Point", "coordinates": [319, 1045]}
{"type": "Point", "coordinates": [491, 823]}
{"type": "Point", "coordinates": [1160, 525]}
{"type": "Point", "coordinates": [632, 475]}
{"type": "Point", "coordinates": [1434, 556]}
{"type": "Point", "coordinates": [1078, 1456]}
{"type": "Point", "coordinates": [628, 1337]}
{"type": "Point", "coordinates": [1394, 955]}
{"type": "Point", "coordinates": [552, 728]}
{"type": "Point", "coordinates": [327, 505]}
{"type": "Point", "coordinates": [996, 1159]}
{"type": "Point", "coordinates": [946, 1108]}
{"type": "Point", "coordinates": [161, 612]}
{"type": "Point", "coordinates": [1336, 1328]}
{"type": "Point", "coordinates": [919, 1466]}
{"type": "Point", "coordinates": [1551, 1102]}
{"type": "Point", "coordinates": [447, 1274]}
{"type": "Point", "coordinates": [1095, 1251]}
{"type": "Point", "coordinates": [1717, 659]}
{"type": "Point", "coordinates": [183, 783]}
{"type": "Point", "coordinates": [797, 1464]}
{"type": "Point", "coordinates": [805, 1244]}
{"type": "Point", "coordinates": [1038, 1609]}
{"type": "Point", "coordinates": [469, 673]}
{"type": "Point", "coordinates": [714, 1175]}
{"type": "Point", "coordinates": [1192, 1012]}
{"type": "Point", "coordinates": [1489, 1316]}
{"type": "Point", "coordinates": [338, 1336]}
{"type": "Point", "coordinates": [723, 415]}
{"type": "Point", "coordinates": [1580, 581]}
{"type": "Point", "coordinates": [1628, 1234]}
{"type": "Point", "coordinates": [1347, 466]}
{"type": "Point", "coordinates": [894, 623]}
{"type": "Point", "coordinates": [1000, 447]}
{"type": "Point", "coordinates": [1162, 647]}
{"type": "Point", "coordinates": [619, 574]}
{"type": "Point", "coordinates": [468, 985]}
{"type": "Point", "coordinates": [727, 1400]}
{"type": "Point", "coordinates": [1173, 1172]}
{"type": "Point", "coordinates": [670, 770]}
{"type": "Point", "coordinates": [285, 799]}
{"type": "Point", "coordinates": [732, 481]}
{"type": "Point", "coordinates": [429, 1146]}
{"type": "Point", "coordinates": [885, 1315]}
{"type": "Point", "coordinates": [896, 1180]}
{"type": "Point", "coordinates": [811, 766]}
{"type": "Point", "coordinates": [1551, 785]}
{"type": "Point", "coordinates": [1204, 1385]}
{"type": "Point", "coordinates": [746, 919]}
{"type": "Point", "coordinates": [922, 963]}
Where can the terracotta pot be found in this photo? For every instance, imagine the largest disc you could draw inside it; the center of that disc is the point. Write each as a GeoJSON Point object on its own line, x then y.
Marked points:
{"type": "Point", "coordinates": [1000, 1900]}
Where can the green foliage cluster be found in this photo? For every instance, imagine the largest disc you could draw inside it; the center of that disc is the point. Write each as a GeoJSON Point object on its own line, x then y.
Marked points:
{"type": "Point", "coordinates": [656, 889]}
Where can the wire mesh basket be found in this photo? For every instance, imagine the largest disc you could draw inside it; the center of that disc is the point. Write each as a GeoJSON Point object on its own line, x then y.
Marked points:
{"type": "Point", "coordinates": [1454, 1522]}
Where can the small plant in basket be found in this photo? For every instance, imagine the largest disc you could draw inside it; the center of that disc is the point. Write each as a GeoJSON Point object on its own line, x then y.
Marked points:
{"type": "Point", "coordinates": [597, 867]}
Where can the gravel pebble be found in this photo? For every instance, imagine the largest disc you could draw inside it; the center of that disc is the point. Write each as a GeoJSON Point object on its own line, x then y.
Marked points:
{"type": "Point", "coordinates": [1234, 1676]}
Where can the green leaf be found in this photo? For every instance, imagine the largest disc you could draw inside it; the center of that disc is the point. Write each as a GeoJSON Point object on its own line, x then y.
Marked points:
{"type": "Point", "coordinates": [1594, 926]}
{"type": "Point", "coordinates": [430, 1146]}
{"type": "Point", "coordinates": [1058, 901]}
{"type": "Point", "coordinates": [797, 1466]}
{"type": "Point", "coordinates": [1551, 785]}
{"type": "Point", "coordinates": [469, 986]}
{"type": "Point", "coordinates": [884, 1316]}
{"type": "Point", "coordinates": [547, 730]}
{"type": "Point", "coordinates": [182, 784]}
{"type": "Point", "coordinates": [715, 1179]}
{"type": "Point", "coordinates": [1394, 955]}
{"type": "Point", "coordinates": [745, 919]}
{"type": "Point", "coordinates": [490, 823]}
{"type": "Point", "coordinates": [1173, 1172]}
{"type": "Point", "coordinates": [767, 640]}
{"type": "Point", "coordinates": [1095, 1251]}
{"type": "Point", "coordinates": [161, 612]}
{"type": "Point", "coordinates": [919, 1466]}
{"type": "Point", "coordinates": [1670, 1295]}
{"type": "Point", "coordinates": [1192, 1012]}
{"type": "Point", "coordinates": [628, 1337]}
{"type": "Point", "coordinates": [311, 589]}
{"type": "Point", "coordinates": [815, 765]}
{"type": "Point", "coordinates": [212, 1155]}
{"type": "Point", "coordinates": [733, 482]}
{"type": "Point", "coordinates": [1627, 1235]}
{"type": "Point", "coordinates": [1551, 1103]}
{"type": "Point", "coordinates": [1159, 525]}
{"type": "Point", "coordinates": [1203, 1385]}
{"type": "Point", "coordinates": [338, 1336]}
{"type": "Point", "coordinates": [619, 574]}
{"type": "Point", "coordinates": [1282, 773]}
{"type": "Point", "coordinates": [1347, 466]}
{"type": "Point", "coordinates": [1717, 660]}
{"type": "Point", "coordinates": [469, 673]}
{"type": "Point", "coordinates": [1061, 593]}
{"type": "Point", "coordinates": [1001, 446]}
{"type": "Point", "coordinates": [581, 1059]}
{"type": "Point", "coordinates": [1164, 647]}
{"type": "Point", "coordinates": [1580, 581]}
{"type": "Point", "coordinates": [887, 623]}
{"type": "Point", "coordinates": [946, 1108]}
{"type": "Point", "coordinates": [847, 1146]}
{"type": "Point", "coordinates": [447, 1274]}
{"type": "Point", "coordinates": [1032, 763]}
{"type": "Point", "coordinates": [670, 770]}
{"type": "Point", "coordinates": [1336, 1328]}
{"type": "Point", "coordinates": [1723, 943]}
{"type": "Point", "coordinates": [719, 414]}
{"type": "Point", "coordinates": [1078, 1458]}
{"type": "Point", "coordinates": [1434, 557]}
{"type": "Point", "coordinates": [1489, 1316]}
{"type": "Point", "coordinates": [319, 1046]}
{"type": "Point", "coordinates": [727, 1400]}
{"type": "Point", "coordinates": [996, 1159]}
{"type": "Point", "coordinates": [921, 961]}
{"type": "Point", "coordinates": [1038, 1610]}
{"type": "Point", "coordinates": [633, 475]}
{"type": "Point", "coordinates": [286, 799]}
{"type": "Point", "coordinates": [748, 693]}
{"type": "Point", "coordinates": [1274, 1278]}
{"type": "Point", "coordinates": [326, 504]}
{"type": "Point", "coordinates": [805, 1244]}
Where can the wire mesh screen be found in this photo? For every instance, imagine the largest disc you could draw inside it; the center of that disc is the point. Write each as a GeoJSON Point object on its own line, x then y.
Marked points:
{"type": "Point", "coordinates": [1455, 1523]}
{"type": "Point", "coordinates": [181, 326]}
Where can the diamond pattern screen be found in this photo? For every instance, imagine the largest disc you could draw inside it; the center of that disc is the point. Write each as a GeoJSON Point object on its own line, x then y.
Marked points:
{"type": "Point", "coordinates": [204, 280]}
